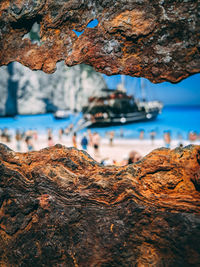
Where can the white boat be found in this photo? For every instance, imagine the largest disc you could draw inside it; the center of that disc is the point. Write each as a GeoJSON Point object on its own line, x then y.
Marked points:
{"type": "Point", "coordinates": [62, 114]}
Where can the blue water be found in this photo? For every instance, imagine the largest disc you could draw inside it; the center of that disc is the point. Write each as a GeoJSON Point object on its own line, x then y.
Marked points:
{"type": "Point", "coordinates": [179, 120]}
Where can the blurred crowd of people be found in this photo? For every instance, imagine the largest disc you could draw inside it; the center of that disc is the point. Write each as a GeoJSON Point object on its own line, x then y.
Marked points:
{"type": "Point", "coordinates": [88, 139]}
{"type": "Point", "coordinates": [193, 136]}
{"type": "Point", "coordinates": [28, 137]}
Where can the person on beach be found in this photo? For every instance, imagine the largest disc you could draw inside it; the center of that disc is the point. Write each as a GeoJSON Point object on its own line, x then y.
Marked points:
{"type": "Point", "coordinates": [60, 134]}
{"type": "Point", "coordinates": [84, 142]}
{"type": "Point", "coordinates": [121, 134]}
{"type": "Point", "coordinates": [134, 156]}
{"type": "Point", "coordinates": [50, 141]}
{"type": "Point", "coordinates": [111, 137]}
{"type": "Point", "coordinates": [152, 136]}
{"type": "Point", "coordinates": [180, 139]}
{"type": "Point", "coordinates": [66, 131]}
{"type": "Point", "coordinates": [74, 142]}
{"type": "Point", "coordinates": [141, 136]}
{"type": "Point", "coordinates": [90, 138]}
{"type": "Point", "coordinates": [29, 141]}
{"type": "Point", "coordinates": [6, 137]}
{"type": "Point", "coordinates": [96, 142]}
{"type": "Point", "coordinates": [35, 135]}
{"type": "Point", "coordinates": [124, 161]}
{"type": "Point", "coordinates": [18, 138]}
{"type": "Point", "coordinates": [107, 162]}
{"type": "Point", "coordinates": [71, 127]}
{"type": "Point", "coordinates": [167, 139]}
{"type": "Point", "coordinates": [49, 133]}
{"type": "Point", "coordinates": [192, 136]}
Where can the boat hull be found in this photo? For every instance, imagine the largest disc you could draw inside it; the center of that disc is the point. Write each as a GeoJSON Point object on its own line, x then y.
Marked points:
{"type": "Point", "coordinates": [125, 119]}
{"type": "Point", "coordinates": [61, 118]}
{"type": "Point", "coordinates": [62, 114]}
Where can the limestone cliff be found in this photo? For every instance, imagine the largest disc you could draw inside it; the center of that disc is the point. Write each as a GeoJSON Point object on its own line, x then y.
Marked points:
{"type": "Point", "coordinates": [59, 207]}
{"type": "Point", "coordinates": [24, 91]}
{"type": "Point", "coordinates": [3, 89]}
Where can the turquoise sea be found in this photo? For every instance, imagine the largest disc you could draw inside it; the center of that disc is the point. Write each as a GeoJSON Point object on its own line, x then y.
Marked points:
{"type": "Point", "coordinates": [178, 120]}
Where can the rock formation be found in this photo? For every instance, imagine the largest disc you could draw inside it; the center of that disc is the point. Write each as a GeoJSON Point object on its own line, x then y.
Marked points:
{"type": "Point", "coordinates": [156, 39]}
{"type": "Point", "coordinates": [3, 89]}
{"type": "Point", "coordinates": [60, 208]}
{"type": "Point", "coordinates": [31, 92]}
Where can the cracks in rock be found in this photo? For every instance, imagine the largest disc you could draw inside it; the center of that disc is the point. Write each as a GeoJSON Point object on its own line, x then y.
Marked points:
{"type": "Point", "coordinates": [161, 169]}
{"type": "Point", "coordinates": [175, 185]}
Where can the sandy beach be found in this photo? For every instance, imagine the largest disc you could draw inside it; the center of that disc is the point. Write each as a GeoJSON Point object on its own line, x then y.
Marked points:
{"type": "Point", "coordinates": [117, 152]}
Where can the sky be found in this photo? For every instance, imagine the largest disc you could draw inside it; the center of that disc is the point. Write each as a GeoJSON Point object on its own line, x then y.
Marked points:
{"type": "Point", "coordinates": [184, 93]}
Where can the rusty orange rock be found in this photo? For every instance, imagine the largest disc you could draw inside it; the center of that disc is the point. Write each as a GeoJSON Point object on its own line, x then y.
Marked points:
{"type": "Point", "coordinates": [58, 207]}
{"type": "Point", "coordinates": [158, 40]}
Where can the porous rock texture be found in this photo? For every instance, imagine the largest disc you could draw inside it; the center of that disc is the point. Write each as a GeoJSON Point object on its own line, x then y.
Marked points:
{"type": "Point", "coordinates": [61, 208]}
{"type": "Point", "coordinates": [156, 39]}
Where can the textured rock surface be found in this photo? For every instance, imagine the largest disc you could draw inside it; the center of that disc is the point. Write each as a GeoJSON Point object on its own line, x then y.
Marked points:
{"type": "Point", "coordinates": [60, 208]}
{"type": "Point", "coordinates": [38, 92]}
{"type": "Point", "coordinates": [156, 39]}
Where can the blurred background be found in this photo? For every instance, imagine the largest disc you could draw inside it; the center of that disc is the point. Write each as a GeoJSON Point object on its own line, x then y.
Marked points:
{"type": "Point", "coordinates": [29, 101]}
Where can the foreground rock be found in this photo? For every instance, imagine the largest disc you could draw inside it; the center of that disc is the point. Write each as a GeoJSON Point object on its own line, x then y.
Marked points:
{"type": "Point", "coordinates": [61, 208]}
{"type": "Point", "coordinates": [157, 39]}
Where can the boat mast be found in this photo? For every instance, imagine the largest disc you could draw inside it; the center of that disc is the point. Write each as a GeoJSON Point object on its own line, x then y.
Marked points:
{"type": "Point", "coordinates": [142, 89]}
{"type": "Point", "coordinates": [121, 86]}
{"type": "Point", "coordinates": [123, 80]}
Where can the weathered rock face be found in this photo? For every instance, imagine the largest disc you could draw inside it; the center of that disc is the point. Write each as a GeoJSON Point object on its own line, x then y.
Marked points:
{"type": "Point", "coordinates": [37, 92]}
{"type": "Point", "coordinates": [60, 208]}
{"type": "Point", "coordinates": [156, 39]}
